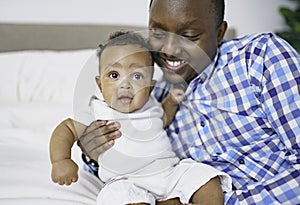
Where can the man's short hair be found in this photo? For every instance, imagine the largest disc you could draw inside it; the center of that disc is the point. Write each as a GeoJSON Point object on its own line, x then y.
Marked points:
{"type": "Point", "coordinates": [217, 6]}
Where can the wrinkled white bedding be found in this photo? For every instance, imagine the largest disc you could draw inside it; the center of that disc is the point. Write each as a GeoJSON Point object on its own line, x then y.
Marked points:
{"type": "Point", "coordinates": [36, 93]}
{"type": "Point", "coordinates": [25, 172]}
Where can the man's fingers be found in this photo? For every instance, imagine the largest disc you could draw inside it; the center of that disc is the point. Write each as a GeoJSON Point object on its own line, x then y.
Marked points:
{"type": "Point", "coordinates": [101, 129]}
{"type": "Point", "coordinates": [97, 151]}
{"type": "Point", "coordinates": [100, 141]}
{"type": "Point", "coordinates": [98, 138]}
{"type": "Point", "coordinates": [111, 127]}
{"type": "Point", "coordinates": [95, 125]}
{"type": "Point", "coordinates": [98, 132]}
{"type": "Point", "coordinates": [98, 144]}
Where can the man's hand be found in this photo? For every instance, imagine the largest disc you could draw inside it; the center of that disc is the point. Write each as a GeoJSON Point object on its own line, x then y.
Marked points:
{"type": "Point", "coordinates": [176, 95]}
{"type": "Point", "coordinates": [64, 172]}
{"type": "Point", "coordinates": [98, 137]}
{"type": "Point", "coordinates": [170, 104]}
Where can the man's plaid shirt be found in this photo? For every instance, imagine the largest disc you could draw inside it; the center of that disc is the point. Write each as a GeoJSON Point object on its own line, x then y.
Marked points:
{"type": "Point", "coordinates": [242, 116]}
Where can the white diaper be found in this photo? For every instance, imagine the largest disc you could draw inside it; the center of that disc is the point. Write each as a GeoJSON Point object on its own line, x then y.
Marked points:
{"type": "Point", "coordinates": [181, 181]}
{"type": "Point", "coordinates": [122, 192]}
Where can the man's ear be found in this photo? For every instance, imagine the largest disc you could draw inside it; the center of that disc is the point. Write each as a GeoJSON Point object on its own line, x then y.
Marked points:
{"type": "Point", "coordinates": [221, 31]}
{"type": "Point", "coordinates": [153, 82]}
{"type": "Point", "coordinates": [98, 81]}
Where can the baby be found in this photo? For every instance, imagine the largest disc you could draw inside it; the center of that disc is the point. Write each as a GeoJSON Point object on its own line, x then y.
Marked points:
{"type": "Point", "coordinates": [141, 167]}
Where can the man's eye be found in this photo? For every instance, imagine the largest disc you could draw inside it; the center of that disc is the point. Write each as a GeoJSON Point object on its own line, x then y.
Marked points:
{"type": "Point", "coordinates": [158, 33]}
{"type": "Point", "coordinates": [191, 37]}
{"type": "Point", "coordinates": [113, 75]}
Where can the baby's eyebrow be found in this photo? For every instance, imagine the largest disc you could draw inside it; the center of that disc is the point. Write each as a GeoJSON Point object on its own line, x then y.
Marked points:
{"type": "Point", "coordinates": [116, 64]}
{"type": "Point", "coordinates": [109, 67]}
{"type": "Point", "coordinates": [137, 65]}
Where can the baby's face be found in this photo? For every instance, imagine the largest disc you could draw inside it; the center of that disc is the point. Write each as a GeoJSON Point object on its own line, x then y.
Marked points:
{"type": "Point", "coordinates": [125, 77]}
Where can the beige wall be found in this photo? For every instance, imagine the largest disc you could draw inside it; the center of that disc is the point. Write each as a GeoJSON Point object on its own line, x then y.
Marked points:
{"type": "Point", "coordinates": [246, 16]}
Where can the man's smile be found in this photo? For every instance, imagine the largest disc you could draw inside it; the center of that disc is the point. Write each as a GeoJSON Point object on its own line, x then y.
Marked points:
{"type": "Point", "coordinates": [175, 65]}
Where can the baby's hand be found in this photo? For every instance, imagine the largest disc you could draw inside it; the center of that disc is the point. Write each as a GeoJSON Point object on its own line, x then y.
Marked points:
{"type": "Point", "coordinates": [64, 172]}
{"type": "Point", "coordinates": [176, 95]}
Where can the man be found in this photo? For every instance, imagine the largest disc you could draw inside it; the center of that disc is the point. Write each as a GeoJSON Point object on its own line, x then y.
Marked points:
{"type": "Point", "coordinates": [242, 109]}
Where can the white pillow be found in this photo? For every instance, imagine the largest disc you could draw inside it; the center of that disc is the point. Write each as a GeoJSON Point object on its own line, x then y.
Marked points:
{"type": "Point", "coordinates": [41, 76]}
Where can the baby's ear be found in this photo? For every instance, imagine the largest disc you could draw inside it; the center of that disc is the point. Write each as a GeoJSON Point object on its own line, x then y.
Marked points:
{"type": "Point", "coordinates": [153, 82]}
{"type": "Point", "coordinates": [98, 81]}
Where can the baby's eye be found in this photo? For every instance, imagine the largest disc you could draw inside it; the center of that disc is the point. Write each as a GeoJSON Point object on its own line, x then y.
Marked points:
{"type": "Point", "coordinates": [137, 76]}
{"type": "Point", "coordinates": [114, 75]}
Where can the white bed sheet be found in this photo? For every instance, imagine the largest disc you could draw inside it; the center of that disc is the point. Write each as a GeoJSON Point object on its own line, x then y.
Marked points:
{"type": "Point", "coordinates": [33, 101]}
{"type": "Point", "coordinates": [25, 172]}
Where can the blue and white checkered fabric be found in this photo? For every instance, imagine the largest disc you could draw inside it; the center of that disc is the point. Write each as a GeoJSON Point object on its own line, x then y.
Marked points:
{"type": "Point", "coordinates": [242, 116]}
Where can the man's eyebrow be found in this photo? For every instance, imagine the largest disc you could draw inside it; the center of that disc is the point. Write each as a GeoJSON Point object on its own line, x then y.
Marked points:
{"type": "Point", "coordinates": [189, 23]}
{"type": "Point", "coordinates": [156, 24]}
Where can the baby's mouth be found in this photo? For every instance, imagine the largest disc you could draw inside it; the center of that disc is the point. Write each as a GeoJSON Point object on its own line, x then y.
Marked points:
{"type": "Point", "coordinates": [125, 99]}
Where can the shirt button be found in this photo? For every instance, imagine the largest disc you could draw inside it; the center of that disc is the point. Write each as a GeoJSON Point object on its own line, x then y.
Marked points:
{"type": "Point", "coordinates": [202, 78]}
{"type": "Point", "coordinates": [241, 161]}
{"type": "Point", "coordinates": [202, 123]}
{"type": "Point", "coordinates": [214, 158]}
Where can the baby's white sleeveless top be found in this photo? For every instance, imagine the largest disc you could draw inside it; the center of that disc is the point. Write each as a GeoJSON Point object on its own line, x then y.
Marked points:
{"type": "Point", "coordinates": [144, 147]}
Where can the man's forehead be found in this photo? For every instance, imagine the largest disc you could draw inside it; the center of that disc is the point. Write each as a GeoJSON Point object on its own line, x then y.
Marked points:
{"type": "Point", "coordinates": [178, 8]}
{"type": "Point", "coordinates": [162, 14]}
{"type": "Point", "coordinates": [179, 3]}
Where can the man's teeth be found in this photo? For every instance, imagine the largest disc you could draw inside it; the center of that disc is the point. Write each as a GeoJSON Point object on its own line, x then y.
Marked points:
{"type": "Point", "coordinates": [174, 63]}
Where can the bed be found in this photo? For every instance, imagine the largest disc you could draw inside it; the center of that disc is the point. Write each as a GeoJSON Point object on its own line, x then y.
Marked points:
{"type": "Point", "coordinates": [40, 68]}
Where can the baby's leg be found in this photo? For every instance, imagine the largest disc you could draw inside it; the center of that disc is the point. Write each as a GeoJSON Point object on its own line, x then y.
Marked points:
{"type": "Point", "coordinates": [198, 183]}
{"type": "Point", "coordinates": [210, 193]}
{"type": "Point", "coordinates": [174, 201]}
{"type": "Point", "coordinates": [122, 192]}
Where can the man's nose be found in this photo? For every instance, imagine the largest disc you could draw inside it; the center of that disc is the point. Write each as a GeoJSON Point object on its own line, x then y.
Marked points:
{"type": "Point", "coordinates": [171, 45]}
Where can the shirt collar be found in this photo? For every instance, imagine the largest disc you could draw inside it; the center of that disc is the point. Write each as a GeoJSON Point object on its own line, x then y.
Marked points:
{"type": "Point", "coordinates": [205, 74]}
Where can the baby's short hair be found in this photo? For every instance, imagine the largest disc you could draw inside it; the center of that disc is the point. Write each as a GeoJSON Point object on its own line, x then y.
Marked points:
{"type": "Point", "coordinates": [119, 38]}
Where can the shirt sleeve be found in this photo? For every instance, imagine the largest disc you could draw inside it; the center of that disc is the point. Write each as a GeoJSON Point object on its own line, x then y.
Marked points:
{"type": "Point", "coordinates": [280, 94]}
{"type": "Point", "coordinates": [277, 87]}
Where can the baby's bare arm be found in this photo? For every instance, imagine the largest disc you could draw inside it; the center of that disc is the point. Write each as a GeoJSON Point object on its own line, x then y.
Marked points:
{"type": "Point", "coordinates": [93, 140]}
{"type": "Point", "coordinates": [63, 138]}
{"type": "Point", "coordinates": [64, 169]}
